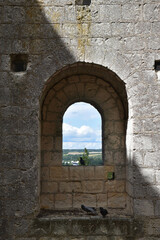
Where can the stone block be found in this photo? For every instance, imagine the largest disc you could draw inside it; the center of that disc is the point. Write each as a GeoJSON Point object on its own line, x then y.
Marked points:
{"type": "Point", "coordinates": [47, 201]}
{"type": "Point", "coordinates": [55, 106]}
{"type": "Point", "coordinates": [89, 172]}
{"type": "Point", "coordinates": [100, 29]}
{"type": "Point", "coordinates": [143, 207]}
{"type": "Point", "coordinates": [110, 13]}
{"type": "Point", "coordinates": [151, 159]}
{"type": "Point", "coordinates": [14, 14]}
{"type": "Point", "coordinates": [47, 143]}
{"type": "Point", "coordinates": [131, 12]}
{"type": "Point", "coordinates": [115, 186]}
{"type": "Point", "coordinates": [92, 186]}
{"type": "Point", "coordinates": [60, 173]}
{"type": "Point", "coordinates": [151, 12]}
{"type": "Point", "coordinates": [90, 90]}
{"type": "Point", "coordinates": [122, 28]}
{"type": "Point", "coordinates": [52, 159]}
{"type": "Point", "coordinates": [102, 96]}
{"type": "Point", "coordinates": [152, 228]}
{"type": "Point", "coordinates": [113, 142]}
{"type": "Point", "coordinates": [71, 91]}
{"type": "Point", "coordinates": [112, 114]}
{"type": "Point", "coordinates": [119, 127]}
{"type": "Point", "coordinates": [119, 157]}
{"type": "Point", "coordinates": [26, 159]}
{"type": "Point", "coordinates": [70, 15]}
{"type": "Point", "coordinates": [76, 173]}
{"type": "Point", "coordinates": [45, 173]}
{"type": "Point", "coordinates": [62, 97]}
{"type": "Point", "coordinates": [101, 200]}
{"type": "Point", "coordinates": [116, 200]}
{"type": "Point", "coordinates": [86, 199]}
{"type": "Point", "coordinates": [70, 187]}
{"type": "Point", "coordinates": [49, 187]}
{"type": "Point", "coordinates": [63, 201]}
{"type": "Point", "coordinates": [100, 172]}
{"type": "Point", "coordinates": [143, 27]}
{"type": "Point", "coordinates": [55, 14]}
{"type": "Point", "coordinates": [109, 127]}
{"type": "Point", "coordinates": [140, 190]}
{"type": "Point", "coordinates": [49, 128]}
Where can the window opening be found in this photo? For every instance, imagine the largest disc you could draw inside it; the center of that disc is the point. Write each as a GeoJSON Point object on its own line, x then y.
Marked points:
{"type": "Point", "coordinates": [19, 62]}
{"type": "Point", "coordinates": [82, 135]}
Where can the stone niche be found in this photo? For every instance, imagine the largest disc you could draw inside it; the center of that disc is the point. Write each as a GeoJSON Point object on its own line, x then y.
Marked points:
{"type": "Point", "coordinates": [67, 187]}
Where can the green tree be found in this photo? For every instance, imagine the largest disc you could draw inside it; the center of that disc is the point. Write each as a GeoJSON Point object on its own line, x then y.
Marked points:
{"type": "Point", "coordinates": [85, 156]}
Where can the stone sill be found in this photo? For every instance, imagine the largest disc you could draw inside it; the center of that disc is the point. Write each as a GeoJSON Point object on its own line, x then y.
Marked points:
{"type": "Point", "coordinates": [82, 226]}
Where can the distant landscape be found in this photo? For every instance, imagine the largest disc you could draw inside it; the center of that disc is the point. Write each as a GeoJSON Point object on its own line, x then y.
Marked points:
{"type": "Point", "coordinates": [71, 157]}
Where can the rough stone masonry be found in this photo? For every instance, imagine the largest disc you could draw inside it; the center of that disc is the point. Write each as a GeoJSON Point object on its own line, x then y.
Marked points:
{"type": "Point", "coordinates": [54, 53]}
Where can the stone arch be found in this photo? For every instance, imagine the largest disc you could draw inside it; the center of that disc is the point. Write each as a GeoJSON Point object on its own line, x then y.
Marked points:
{"type": "Point", "coordinates": [67, 187]}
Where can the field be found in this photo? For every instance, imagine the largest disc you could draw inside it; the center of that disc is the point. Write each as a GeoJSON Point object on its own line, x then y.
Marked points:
{"type": "Point", "coordinates": [72, 156]}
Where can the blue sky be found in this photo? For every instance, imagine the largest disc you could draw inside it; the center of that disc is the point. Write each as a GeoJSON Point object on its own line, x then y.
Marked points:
{"type": "Point", "coordinates": [81, 127]}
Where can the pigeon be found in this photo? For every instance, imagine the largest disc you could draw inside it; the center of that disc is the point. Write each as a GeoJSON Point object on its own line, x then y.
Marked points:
{"type": "Point", "coordinates": [82, 162]}
{"type": "Point", "coordinates": [103, 211]}
{"type": "Point", "coordinates": [89, 209]}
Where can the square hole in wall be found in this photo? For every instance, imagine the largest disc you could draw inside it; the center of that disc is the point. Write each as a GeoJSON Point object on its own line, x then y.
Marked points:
{"type": "Point", "coordinates": [157, 65]}
{"type": "Point", "coordinates": [19, 62]}
{"type": "Point", "coordinates": [83, 2]}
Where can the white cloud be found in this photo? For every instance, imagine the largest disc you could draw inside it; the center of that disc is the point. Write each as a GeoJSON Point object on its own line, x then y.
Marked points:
{"type": "Point", "coordinates": [82, 134]}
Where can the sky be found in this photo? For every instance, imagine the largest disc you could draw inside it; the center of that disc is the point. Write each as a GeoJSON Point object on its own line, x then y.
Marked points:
{"type": "Point", "coordinates": [81, 127]}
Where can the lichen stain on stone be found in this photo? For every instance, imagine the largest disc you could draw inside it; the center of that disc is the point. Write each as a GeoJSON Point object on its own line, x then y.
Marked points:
{"type": "Point", "coordinates": [83, 26]}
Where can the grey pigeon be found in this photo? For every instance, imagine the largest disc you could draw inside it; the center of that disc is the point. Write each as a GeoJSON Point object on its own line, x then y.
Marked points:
{"type": "Point", "coordinates": [89, 209]}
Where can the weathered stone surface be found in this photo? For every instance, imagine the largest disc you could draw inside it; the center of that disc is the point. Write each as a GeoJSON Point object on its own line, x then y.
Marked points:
{"type": "Point", "coordinates": [103, 54]}
{"type": "Point", "coordinates": [143, 207]}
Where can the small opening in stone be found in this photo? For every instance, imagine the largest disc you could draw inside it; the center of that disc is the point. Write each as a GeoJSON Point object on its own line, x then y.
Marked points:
{"type": "Point", "coordinates": [157, 65]}
{"type": "Point", "coordinates": [83, 2]}
{"type": "Point", "coordinates": [19, 62]}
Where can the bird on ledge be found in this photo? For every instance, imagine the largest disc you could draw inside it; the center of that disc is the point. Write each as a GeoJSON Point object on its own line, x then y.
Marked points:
{"type": "Point", "coordinates": [81, 161]}
{"type": "Point", "coordinates": [103, 211]}
{"type": "Point", "coordinates": [89, 209]}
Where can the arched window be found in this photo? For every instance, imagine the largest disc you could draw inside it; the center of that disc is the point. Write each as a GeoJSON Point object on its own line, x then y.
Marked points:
{"type": "Point", "coordinates": [67, 187]}
{"type": "Point", "coordinates": [82, 135]}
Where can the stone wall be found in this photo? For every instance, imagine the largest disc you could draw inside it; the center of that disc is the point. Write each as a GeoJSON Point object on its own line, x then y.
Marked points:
{"type": "Point", "coordinates": [48, 36]}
